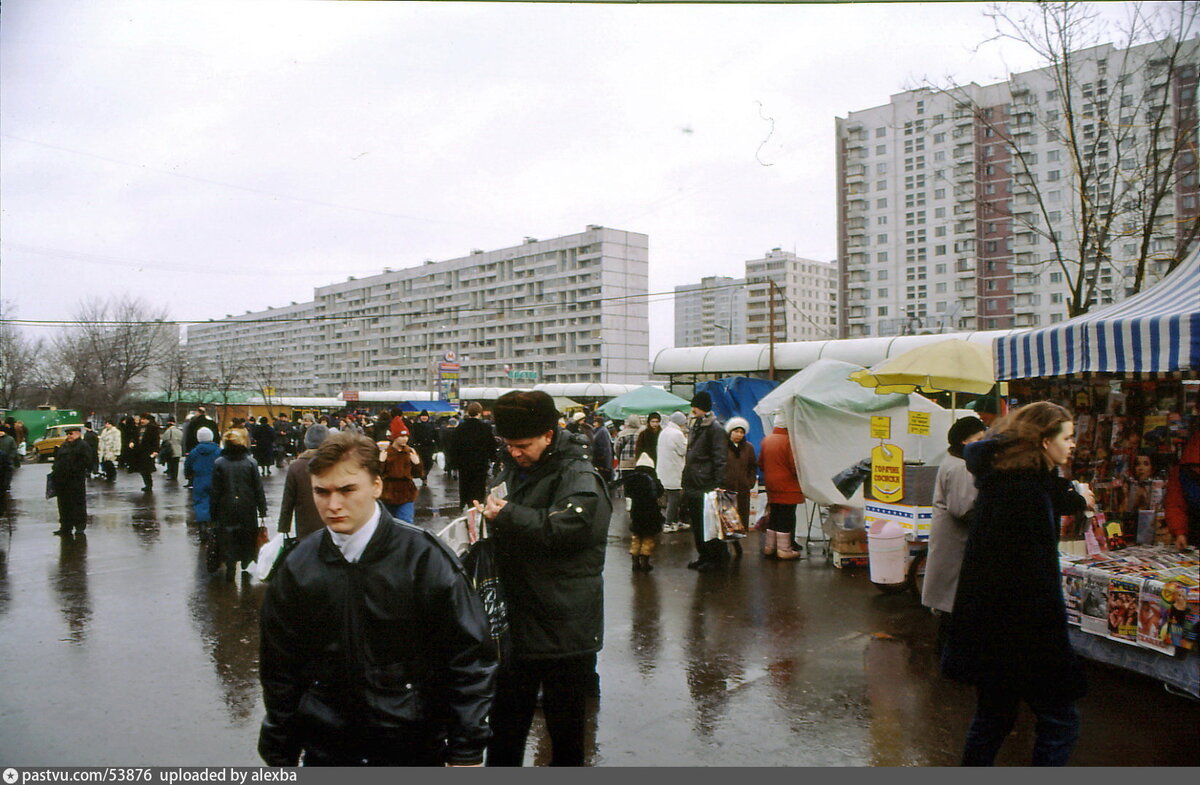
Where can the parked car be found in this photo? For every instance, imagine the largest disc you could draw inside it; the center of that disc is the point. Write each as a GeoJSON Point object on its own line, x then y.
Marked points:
{"type": "Point", "coordinates": [47, 445]}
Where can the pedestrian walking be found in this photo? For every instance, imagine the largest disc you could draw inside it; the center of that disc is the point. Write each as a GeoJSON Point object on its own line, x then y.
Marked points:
{"type": "Point", "coordinates": [372, 639]}
{"type": "Point", "coordinates": [625, 447]}
{"type": "Point", "coordinates": [549, 513]}
{"type": "Point", "coordinates": [237, 494]}
{"type": "Point", "coordinates": [402, 467]}
{"type": "Point", "coordinates": [143, 449]}
{"type": "Point", "coordinates": [129, 430]}
{"type": "Point", "coordinates": [92, 440]}
{"type": "Point", "coordinates": [264, 446]}
{"type": "Point", "coordinates": [953, 502]}
{"type": "Point", "coordinates": [782, 482]}
{"type": "Point", "coordinates": [423, 438]}
{"type": "Point", "coordinates": [672, 454]}
{"type": "Point", "coordinates": [1008, 632]}
{"type": "Point", "coordinates": [741, 471]}
{"type": "Point", "coordinates": [297, 504]}
{"type": "Point", "coordinates": [472, 448]}
{"type": "Point", "coordinates": [602, 448]}
{"type": "Point", "coordinates": [704, 471]}
{"type": "Point", "coordinates": [192, 429]}
{"type": "Point", "coordinates": [171, 450]}
{"type": "Point", "coordinates": [8, 457]}
{"type": "Point", "coordinates": [647, 438]}
{"type": "Point", "coordinates": [69, 475]}
{"type": "Point", "coordinates": [643, 490]}
{"type": "Point", "coordinates": [109, 450]}
{"type": "Point", "coordinates": [198, 470]}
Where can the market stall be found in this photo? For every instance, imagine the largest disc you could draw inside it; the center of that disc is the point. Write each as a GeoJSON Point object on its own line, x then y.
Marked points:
{"type": "Point", "coordinates": [1129, 373]}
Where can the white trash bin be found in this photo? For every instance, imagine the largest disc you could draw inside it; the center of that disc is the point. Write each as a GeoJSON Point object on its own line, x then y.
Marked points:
{"type": "Point", "coordinates": [887, 552]}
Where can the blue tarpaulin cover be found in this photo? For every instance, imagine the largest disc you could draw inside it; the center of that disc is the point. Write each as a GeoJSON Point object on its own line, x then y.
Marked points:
{"type": "Point", "coordinates": [736, 396]}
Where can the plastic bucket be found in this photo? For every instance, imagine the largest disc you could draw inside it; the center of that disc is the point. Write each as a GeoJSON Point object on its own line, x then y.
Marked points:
{"type": "Point", "coordinates": [887, 552]}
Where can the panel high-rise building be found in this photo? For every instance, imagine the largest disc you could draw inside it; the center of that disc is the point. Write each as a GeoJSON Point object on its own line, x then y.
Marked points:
{"type": "Point", "coordinates": [711, 313]}
{"type": "Point", "coordinates": [951, 202]}
{"type": "Point", "coordinates": [805, 295]}
{"type": "Point", "coordinates": [567, 309]}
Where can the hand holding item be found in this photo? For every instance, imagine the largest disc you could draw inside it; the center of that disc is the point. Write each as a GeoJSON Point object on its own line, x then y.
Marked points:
{"type": "Point", "coordinates": [1086, 492]}
{"type": "Point", "coordinates": [415, 457]}
{"type": "Point", "coordinates": [492, 506]}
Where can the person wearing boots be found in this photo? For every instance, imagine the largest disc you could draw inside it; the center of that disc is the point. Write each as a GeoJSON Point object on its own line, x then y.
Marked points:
{"type": "Point", "coordinates": [70, 470]}
{"type": "Point", "coordinates": [704, 471]}
{"type": "Point", "coordinates": [741, 471]}
{"type": "Point", "coordinates": [783, 492]}
{"type": "Point", "coordinates": [237, 494]}
{"type": "Point", "coordinates": [643, 490]}
{"type": "Point", "coordinates": [143, 449]}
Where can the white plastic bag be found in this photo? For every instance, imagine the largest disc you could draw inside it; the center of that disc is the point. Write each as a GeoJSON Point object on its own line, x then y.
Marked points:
{"type": "Point", "coordinates": [270, 554]}
{"type": "Point", "coordinates": [712, 520]}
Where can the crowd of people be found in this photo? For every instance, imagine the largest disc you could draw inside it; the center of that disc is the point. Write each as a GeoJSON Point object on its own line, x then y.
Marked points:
{"type": "Point", "coordinates": [376, 647]}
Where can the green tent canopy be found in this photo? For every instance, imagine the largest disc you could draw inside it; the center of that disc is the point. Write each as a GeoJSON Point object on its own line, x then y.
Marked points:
{"type": "Point", "coordinates": [644, 400]}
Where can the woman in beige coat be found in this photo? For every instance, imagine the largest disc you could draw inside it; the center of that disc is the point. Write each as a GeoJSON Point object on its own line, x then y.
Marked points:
{"type": "Point", "coordinates": [953, 500]}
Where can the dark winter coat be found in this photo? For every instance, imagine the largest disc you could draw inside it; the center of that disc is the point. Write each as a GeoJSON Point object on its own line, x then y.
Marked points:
{"type": "Point", "coordinates": [238, 502]}
{"type": "Point", "coordinates": [602, 451]}
{"type": "Point", "coordinates": [647, 442]}
{"type": "Point", "coordinates": [298, 500]}
{"type": "Point", "coordinates": [72, 460]}
{"type": "Point", "coordinates": [384, 654]}
{"type": "Point", "coordinates": [643, 490]}
{"type": "Point", "coordinates": [424, 436]}
{"type": "Point", "coordinates": [707, 452]}
{"type": "Point", "coordinates": [472, 445]}
{"type": "Point", "coordinates": [146, 441]}
{"type": "Point", "coordinates": [741, 475]}
{"type": "Point", "coordinates": [199, 469]}
{"type": "Point", "coordinates": [264, 444]}
{"type": "Point", "coordinates": [190, 439]}
{"type": "Point", "coordinates": [550, 542]}
{"type": "Point", "coordinates": [1009, 625]}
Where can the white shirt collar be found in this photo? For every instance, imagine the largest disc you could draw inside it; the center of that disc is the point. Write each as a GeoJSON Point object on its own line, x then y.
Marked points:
{"type": "Point", "coordinates": [353, 545]}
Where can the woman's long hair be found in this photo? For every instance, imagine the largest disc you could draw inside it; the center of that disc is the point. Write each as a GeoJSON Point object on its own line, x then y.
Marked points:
{"type": "Point", "coordinates": [1022, 433]}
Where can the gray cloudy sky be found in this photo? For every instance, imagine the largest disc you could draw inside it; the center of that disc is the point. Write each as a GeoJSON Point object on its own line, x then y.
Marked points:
{"type": "Point", "coordinates": [216, 157]}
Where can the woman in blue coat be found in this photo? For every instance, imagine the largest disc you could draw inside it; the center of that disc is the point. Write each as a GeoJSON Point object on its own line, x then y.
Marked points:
{"type": "Point", "coordinates": [1008, 632]}
{"type": "Point", "coordinates": [198, 468]}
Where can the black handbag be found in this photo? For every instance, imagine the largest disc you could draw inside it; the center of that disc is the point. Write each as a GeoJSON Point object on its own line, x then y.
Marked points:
{"type": "Point", "coordinates": [480, 564]}
{"type": "Point", "coordinates": [51, 489]}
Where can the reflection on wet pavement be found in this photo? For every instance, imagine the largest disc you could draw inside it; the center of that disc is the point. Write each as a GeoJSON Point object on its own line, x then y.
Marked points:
{"type": "Point", "coordinates": [121, 649]}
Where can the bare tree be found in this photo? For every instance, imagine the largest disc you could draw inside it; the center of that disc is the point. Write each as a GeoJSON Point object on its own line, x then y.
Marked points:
{"type": "Point", "coordinates": [18, 360]}
{"type": "Point", "coordinates": [1124, 119]}
{"type": "Point", "coordinates": [223, 374]}
{"type": "Point", "coordinates": [262, 371]}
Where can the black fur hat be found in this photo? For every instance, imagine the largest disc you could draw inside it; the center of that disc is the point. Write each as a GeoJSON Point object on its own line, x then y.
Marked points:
{"type": "Point", "coordinates": [523, 415]}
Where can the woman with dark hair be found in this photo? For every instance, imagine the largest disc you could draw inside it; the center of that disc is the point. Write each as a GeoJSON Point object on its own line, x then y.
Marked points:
{"type": "Point", "coordinates": [1008, 632]}
{"type": "Point", "coordinates": [953, 500]}
{"type": "Point", "coordinates": [264, 446]}
{"type": "Point", "coordinates": [237, 494]}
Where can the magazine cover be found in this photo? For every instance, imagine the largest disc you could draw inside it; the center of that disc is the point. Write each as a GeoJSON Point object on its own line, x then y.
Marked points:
{"type": "Point", "coordinates": [1072, 583]}
{"type": "Point", "coordinates": [1185, 614]}
{"type": "Point", "coordinates": [1154, 612]}
{"type": "Point", "coordinates": [1093, 609]}
{"type": "Point", "coordinates": [1123, 594]}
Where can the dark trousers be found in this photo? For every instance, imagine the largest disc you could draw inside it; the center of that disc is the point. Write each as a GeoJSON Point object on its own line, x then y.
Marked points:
{"type": "Point", "coordinates": [1056, 732]}
{"type": "Point", "coordinates": [472, 484]}
{"type": "Point", "coordinates": [379, 748]}
{"type": "Point", "coordinates": [72, 504]}
{"type": "Point", "coordinates": [6, 473]}
{"type": "Point", "coordinates": [713, 550]}
{"type": "Point", "coordinates": [782, 519]}
{"type": "Point", "coordinates": [565, 684]}
{"type": "Point", "coordinates": [109, 469]}
{"type": "Point", "coordinates": [147, 478]}
{"type": "Point", "coordinates": [173, 469]}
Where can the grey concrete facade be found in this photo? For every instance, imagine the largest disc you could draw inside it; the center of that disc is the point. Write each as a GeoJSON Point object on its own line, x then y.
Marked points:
{"type": "Point", "coordinates": [711, 313]}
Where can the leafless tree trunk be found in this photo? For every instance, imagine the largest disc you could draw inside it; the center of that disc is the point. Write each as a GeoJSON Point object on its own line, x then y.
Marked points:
{"type": "Point", "coordinates": [18, 360]}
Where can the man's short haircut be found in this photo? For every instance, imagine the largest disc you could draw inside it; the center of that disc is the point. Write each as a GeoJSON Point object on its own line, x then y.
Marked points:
{"type": "Point", "coordinates": [146, 416]}
{"type": "Point", "coordinates": [474, 409]}
{"type": "Point", "coordinates": [345, 446]}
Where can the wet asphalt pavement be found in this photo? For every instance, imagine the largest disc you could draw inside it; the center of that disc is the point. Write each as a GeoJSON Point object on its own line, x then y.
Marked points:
{"type": "Point", "coordinates": [118, 648]}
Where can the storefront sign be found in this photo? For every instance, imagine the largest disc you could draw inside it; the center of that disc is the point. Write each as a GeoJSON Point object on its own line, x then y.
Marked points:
{"type": "Point", "coordinates": [887, 473]}
{"type": "Point", "coordinates": [918, 423]}
{"type": "Point", "coordinates": [881, 427]}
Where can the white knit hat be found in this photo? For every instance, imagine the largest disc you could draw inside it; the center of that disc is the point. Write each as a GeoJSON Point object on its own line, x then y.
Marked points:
{"type": "Point", "coordinates": [645, 460]}
{"type": "Point", "coordinates": [737, 422]}
{"type": "Point", "coordinates": [780, 421]}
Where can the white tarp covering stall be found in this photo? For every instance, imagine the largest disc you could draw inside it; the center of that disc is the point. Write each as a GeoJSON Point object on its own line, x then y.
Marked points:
{"type": "Point", "coordinates": [829, 421]}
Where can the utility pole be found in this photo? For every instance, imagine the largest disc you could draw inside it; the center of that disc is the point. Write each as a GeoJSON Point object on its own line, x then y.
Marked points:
{"type": "Point", "coordinates": [771, 310]}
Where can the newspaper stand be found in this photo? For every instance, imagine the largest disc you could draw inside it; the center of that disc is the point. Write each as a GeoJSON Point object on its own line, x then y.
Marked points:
{"type": "Point", "coordinates": [913, 512]}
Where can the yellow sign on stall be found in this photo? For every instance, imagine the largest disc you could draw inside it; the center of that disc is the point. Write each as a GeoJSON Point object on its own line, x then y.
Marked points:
{"type": "Point", "coordinates": [887, 473]}
{"type": "Point", "coordinates": [881, 427]}
{"type": "Point", "coordinates": [918, 423]}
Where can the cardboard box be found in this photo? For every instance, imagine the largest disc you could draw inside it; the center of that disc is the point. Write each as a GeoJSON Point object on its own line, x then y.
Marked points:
{"type": "Point", "coordinates": [841, 560]}
{"type": "Point", "coordinates": [849, 541]}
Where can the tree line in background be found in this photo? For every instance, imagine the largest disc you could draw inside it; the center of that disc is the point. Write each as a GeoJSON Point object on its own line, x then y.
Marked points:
{"type": "Point", "coordinates": [112, 353]}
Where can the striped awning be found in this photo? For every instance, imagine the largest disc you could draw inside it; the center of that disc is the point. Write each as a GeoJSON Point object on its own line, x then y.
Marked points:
{"type": "Point", "coordinates": [1155, 331]}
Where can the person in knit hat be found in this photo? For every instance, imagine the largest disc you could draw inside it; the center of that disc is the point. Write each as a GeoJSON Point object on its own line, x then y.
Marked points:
{"type": "Point", "coordinates": [704, 471]}
{"type": "Point", "coordinates": [198, 469]}
{"type": "Point", "coordinates": [298, 504]}
{"type": "Point", "coordinates": [643, 490]}
{"type": "Point", "coordinates": [783, 492]}
{"type": "Point", "coordinates": [402, 466]}
{"type": "Point", "coordinates": [741, 471]}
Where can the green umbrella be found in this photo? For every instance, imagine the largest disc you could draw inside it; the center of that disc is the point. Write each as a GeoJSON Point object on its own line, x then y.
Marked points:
{"type": "Point", "coordinates": [644, 400]}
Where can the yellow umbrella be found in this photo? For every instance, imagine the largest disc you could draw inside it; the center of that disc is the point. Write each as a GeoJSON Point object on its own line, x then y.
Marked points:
{"type": "Point", "coordinates": [952, 365]}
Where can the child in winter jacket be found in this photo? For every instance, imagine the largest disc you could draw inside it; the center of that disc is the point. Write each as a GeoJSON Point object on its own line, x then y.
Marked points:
{"type": "Point", "coordinates": [401, 467]}
{"type": "Point", "coordinates": [643, 490]}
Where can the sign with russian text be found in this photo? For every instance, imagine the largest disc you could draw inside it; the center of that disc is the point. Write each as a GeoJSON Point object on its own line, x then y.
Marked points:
{"type": "Point", "coordinates": [881, 427]}
{"type": "Point", "coordinates": [887, 473]}
{"type": "Point", "coordinates": [918, 423]}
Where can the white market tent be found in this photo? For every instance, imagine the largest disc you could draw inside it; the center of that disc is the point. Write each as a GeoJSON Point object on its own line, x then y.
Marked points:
{"type": "Point", "coordinates": [585, 389]}
{"type": "Point", "coordinates": [297, 402]}
{"type": "Point", "coordinates": [390, 396]}
{"type": "Point", "coordinates": [798, 355]}
{"type": "Point", "coordinates": [485, 393]}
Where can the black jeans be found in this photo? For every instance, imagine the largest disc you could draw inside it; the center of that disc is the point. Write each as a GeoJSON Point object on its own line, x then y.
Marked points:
{"type": "Point", "coordinates": [173, 469]}
{"type": "Point", "coordinates": [1056, 732]}
{"type": "Point", "coordinates": [565, 683]}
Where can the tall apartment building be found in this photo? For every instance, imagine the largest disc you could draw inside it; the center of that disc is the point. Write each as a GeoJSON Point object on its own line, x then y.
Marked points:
{"type": "Point", "coordinates": [568, 309]}
{"type": "Point", "coordinates": [940, 222]}
{"type": "Point", "coordinates": [711, 313]}
{"type": "Point", "coordinates": [805, 296]}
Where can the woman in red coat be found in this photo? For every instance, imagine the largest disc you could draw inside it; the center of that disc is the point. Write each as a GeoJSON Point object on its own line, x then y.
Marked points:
{"type": "Point", "coordinates": [783, 492]}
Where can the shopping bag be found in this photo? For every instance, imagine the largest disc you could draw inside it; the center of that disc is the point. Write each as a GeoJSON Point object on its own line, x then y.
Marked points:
{"type": "Point", "coordinates": [712, 519]}
{"type": "Point", "coordinates": [272, 555]}
{"type": "Point", "coordinates": [480, 563]}
{"type": "Point", "coordinates": [731, 525]}
{"type": "Point", "coordinates": [263, 537]}
{"type": "Point", "coordinates": [51, 490]}
{"type": "Point", "coordinates": [461, 533]}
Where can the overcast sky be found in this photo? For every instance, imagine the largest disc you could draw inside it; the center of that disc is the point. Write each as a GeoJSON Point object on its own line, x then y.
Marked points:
{"type": "Point", "coordinates": [217, 157]}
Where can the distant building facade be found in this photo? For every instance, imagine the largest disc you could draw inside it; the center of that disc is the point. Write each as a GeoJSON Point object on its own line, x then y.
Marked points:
{"type": "Point", "coordinates": [805, 298]}
{"type": "Point", "coordinates": [711, 313]}
{"type": "Point", "coordinates": [568, 309]}
{"type": "Point", "coordinates": [940, 227]}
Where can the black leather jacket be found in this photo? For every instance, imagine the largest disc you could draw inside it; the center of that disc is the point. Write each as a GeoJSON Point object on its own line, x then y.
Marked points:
{"type": "Point", "coordinates": [707, 451]}
{"type": "Point", "coordinates": [387, 652]}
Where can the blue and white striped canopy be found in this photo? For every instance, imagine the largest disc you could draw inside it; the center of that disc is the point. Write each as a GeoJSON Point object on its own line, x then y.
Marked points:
{"type": "Point", "coordinates": [1155, 331]}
